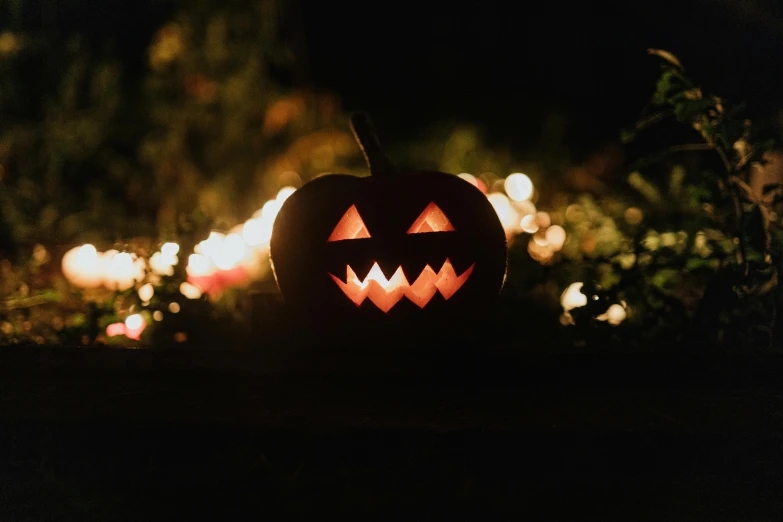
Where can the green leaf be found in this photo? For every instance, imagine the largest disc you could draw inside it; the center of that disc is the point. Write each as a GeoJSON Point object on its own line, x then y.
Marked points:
{"type": "Point", "coordinates": [666, 56]}
{"type": "Point", "coordinates": [627, 136]}
{"type": "Point", "coordinates": [685, 109]}
{"type": "Point", "coordinates": [663, 88]}
{"type": "Point", "coordinates": [665, 279]}
{"type": "Point", "coordinates": [644, 187]}
{"type": "Point", "coordinates": [697, 263]}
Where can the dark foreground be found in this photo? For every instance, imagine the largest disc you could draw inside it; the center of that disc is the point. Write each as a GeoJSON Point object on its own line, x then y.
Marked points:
{"type": "Point", "coordinates": [141, 435]}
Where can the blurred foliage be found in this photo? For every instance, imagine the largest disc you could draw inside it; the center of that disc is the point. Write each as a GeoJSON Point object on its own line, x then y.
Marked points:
{"type": "Point", "coordinates": [691, 243]}
{"type": "Point", "coordinates": [88, 154]}
{"type": "Point", "coordinates": [211, 128]}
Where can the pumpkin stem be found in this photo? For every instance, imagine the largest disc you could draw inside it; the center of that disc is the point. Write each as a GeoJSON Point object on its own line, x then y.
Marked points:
{"type": "Point", "coordinates": [376, 159]}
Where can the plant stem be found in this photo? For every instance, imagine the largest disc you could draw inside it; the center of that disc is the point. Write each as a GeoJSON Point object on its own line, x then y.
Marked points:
{"type": "Point", "coordinates": [735, 196]}
{"type": "Point", "coordinates": [655, 118]}
{"type": "Point", "coordinates": [689, 146]}
{"type": "Point", "coordinates": [26, 302]}
{"type": "Point", "coordinates": [376, 159]}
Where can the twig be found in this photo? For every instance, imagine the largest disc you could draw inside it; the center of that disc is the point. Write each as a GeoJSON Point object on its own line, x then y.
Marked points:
{"type": "Point", "coordinates": [688, 146]}
{"type": "Point", "coordinates": [27, 302]}
{"type": "Point", "coordinates": [735, 196]}
{"type": "Point", "coordinates": [655, 118]}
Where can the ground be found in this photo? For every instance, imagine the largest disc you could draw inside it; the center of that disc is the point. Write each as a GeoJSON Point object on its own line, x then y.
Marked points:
{"type": "Point", "coordinates": [111, 434]}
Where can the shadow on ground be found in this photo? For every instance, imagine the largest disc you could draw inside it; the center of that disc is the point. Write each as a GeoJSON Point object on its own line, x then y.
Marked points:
{"type": "Point", "coordinates": [142, 436]}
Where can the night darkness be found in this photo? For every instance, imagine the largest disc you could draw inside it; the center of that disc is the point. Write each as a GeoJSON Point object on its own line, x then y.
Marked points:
{"type": "Point", "coordinates": [622, 361]}
{"type": "Point", "coordinates": [504, 64]}
{"type": "Point", "coordinates": [507, 63]}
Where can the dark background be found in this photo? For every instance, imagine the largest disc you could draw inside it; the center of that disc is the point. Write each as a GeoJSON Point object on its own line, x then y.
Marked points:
{"type": "Point", "coordinates": [508, 65]}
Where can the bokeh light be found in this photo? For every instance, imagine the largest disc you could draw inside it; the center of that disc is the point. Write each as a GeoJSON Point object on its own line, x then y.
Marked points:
{"type": "Point", "coordinates": [82, 267]}
{"type": "Point", "coordinates": [525, 208]}
{"type": "Point", "coordinates": [507, 214]}
{"type": "Point", "coordinates": [542, 219]}
{"type": "Point", "coordinates": [614, 315]}
{"type": "Point", "coordinates": [134, 322]}
{"type": "Point", "coordinates": [556, 235]}
{"type": "Point", "coordinates": [169, 249]}
{"type": "Point", "coordinates": [190, 291]}
{"type": "Point", "coordinates": [633, 216]}
{"type": "Point", "coordinates": [573, 297]}
{"type": "Point", "coordinates": [257, 231]}
{"type": "Point", "coordinates": [529, 224]}
{"type": "Point", "coordinates": [470, 178]}
{"type": "Point", "coordinates": [122, 270]}
{"type": "Point", "coordinates": [198, 265]}
{"type": "Point", "coordinates": [284, 193]}
{"type": "Point", "coordinates": [518, 187]}
{"type": "Point", "coordinates": [163, 263]}
{"type": "Point", "coordinates": [146, 292]}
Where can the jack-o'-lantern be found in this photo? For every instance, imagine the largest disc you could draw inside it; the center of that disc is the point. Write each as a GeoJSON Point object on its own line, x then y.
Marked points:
{"type": "Point", "coordinates": [412, 249]}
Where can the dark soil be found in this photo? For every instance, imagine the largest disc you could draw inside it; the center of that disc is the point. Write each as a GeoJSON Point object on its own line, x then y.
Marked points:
{"type": "Point", "coordinates": [110, 434]}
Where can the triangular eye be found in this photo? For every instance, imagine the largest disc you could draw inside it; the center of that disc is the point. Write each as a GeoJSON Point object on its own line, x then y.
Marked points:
{"type": "Point", "coordinates": [431, 220]}
{"type": "Point", "coordinates": [350, 226]}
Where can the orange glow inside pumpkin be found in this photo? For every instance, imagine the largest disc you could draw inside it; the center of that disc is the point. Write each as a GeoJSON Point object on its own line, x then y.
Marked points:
{"type": "Point", "coordinates": [385, 293]}
{"type": "Point", "coordinates": [431, 220]}
{"type": "Point", "coordinates": [350, 226]}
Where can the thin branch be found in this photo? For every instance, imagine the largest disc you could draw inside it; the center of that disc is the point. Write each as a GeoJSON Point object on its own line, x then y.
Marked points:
{"type": "Point", "coordinates": [735, 196]}
{"type": "Point", "coordinates": [27, 302]}
{"type": "Point", "coordinates": [723, 157]}
{"type": "Point", "coordinates": [655, 118]}
{"type": "Point", "coordinates": [688, 146]}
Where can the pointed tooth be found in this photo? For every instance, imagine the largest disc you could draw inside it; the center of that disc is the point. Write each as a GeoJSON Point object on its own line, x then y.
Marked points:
{"type": "Point", "coordinates": [412, 269]}
{"type": "Point", "coordinates": [388, 267]}
{"type": "Point", "coordinates": [436, 303]}
{"type": "Point", "coordinates": [425, 286]}
{"type": "Point", "coordinates": [414, 263]}
{"type": "Point", "coordinates": [461, 261]}
{"type": "Point", "coordinates": [436, 261]}
{"type": "Point", "coordinates": [337, 268]}
{"type": "Point", "coordinates": [350, 289]}
{"type": "Point", "coordinates": [449, 282]}
{"type": "Point", "coordinates": [362, 266]}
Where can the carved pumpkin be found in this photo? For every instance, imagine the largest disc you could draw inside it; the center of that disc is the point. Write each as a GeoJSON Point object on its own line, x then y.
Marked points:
{"type": "Point", "coordinates": [397, 248]}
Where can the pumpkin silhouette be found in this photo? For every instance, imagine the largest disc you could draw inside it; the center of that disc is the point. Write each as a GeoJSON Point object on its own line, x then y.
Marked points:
{"type": "Point", "coordinates": [398, 248]}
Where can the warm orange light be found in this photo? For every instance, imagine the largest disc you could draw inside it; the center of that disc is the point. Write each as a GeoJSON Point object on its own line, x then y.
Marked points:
{"type": "Point", "coordinates": [385, 293]}
{"type": "Point", "coordinates": [431, 220]}
{"type": "Point", "coordinates": [350, 226]}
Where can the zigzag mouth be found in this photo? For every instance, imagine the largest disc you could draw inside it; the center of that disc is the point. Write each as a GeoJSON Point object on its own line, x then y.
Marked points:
{"type": "Point", "coordinates": [385, 293]}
